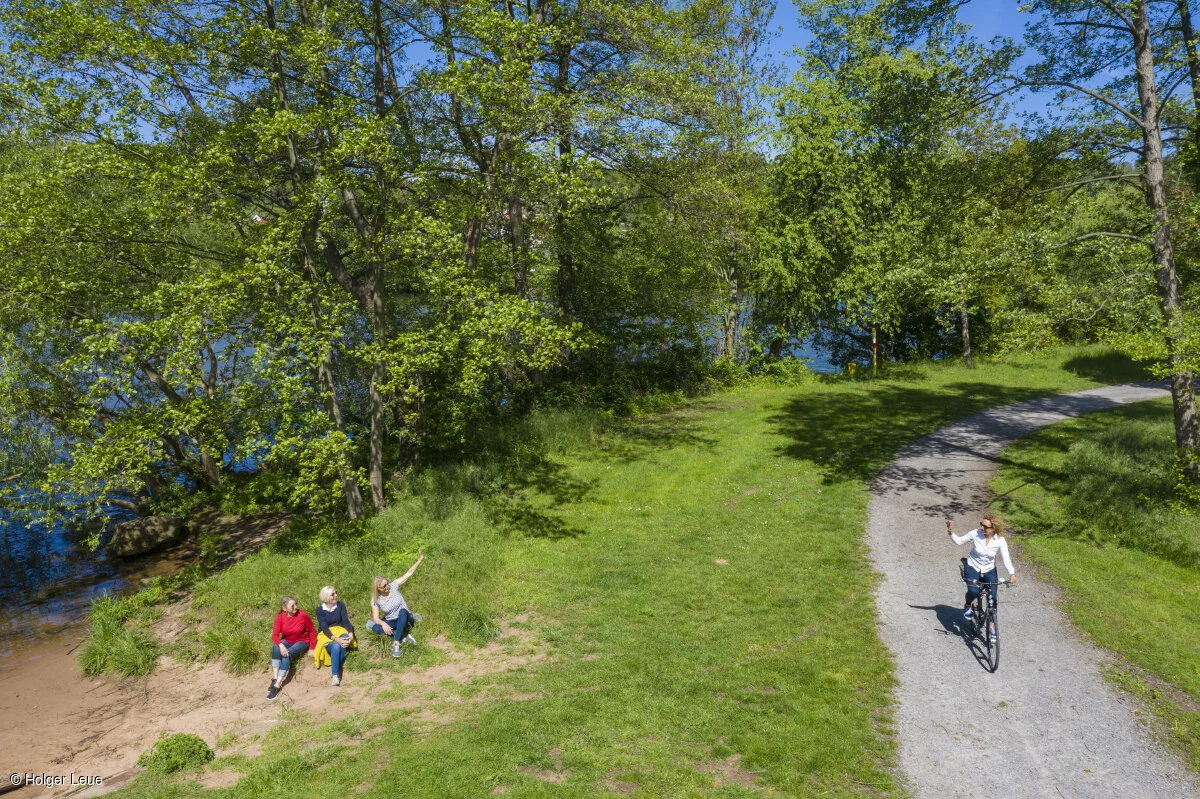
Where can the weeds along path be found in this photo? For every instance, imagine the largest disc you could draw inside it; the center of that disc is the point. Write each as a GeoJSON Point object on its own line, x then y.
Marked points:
{"type": "Point", "coordinates": [1046, 724]}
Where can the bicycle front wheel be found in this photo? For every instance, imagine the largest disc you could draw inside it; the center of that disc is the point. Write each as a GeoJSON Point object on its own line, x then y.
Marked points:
{"type": "Point", "coordinates": [991, 635]}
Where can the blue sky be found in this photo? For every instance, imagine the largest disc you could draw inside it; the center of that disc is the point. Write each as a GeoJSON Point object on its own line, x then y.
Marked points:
{"type": "Point", "coordinates": [987, 18]}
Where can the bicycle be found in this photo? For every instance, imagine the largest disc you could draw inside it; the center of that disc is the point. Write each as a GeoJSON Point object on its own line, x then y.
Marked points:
{"type": "Point", "coordinates": [985, 618]}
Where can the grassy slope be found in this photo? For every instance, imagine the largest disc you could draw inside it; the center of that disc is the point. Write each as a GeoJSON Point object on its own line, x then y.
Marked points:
{"type": "Point", "coordinates": [1093, 496]}
{"type": "Point", "coordinates": [663, 661]}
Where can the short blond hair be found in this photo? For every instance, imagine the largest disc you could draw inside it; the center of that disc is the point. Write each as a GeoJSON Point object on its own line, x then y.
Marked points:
{"type": "Point", "coordinates": [325, 593]}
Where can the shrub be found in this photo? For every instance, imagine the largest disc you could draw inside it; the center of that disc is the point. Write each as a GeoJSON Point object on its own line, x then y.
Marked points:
{"type": "Point", "coordinates": [114, 645]}
{"type": "Point", "coordinates": [171, 753]}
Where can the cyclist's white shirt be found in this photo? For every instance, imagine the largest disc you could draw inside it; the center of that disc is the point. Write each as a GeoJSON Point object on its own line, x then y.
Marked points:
{"type": "Point", "coordinates": [983, 553]}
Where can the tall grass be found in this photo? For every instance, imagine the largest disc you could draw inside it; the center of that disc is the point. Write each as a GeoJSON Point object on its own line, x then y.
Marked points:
{"type": "Point", "coordinates": [116, 642]}
{"type": "Point", "coordinates": [458, 512]}
{"type": "Point", "coordinates": [1113, 483]}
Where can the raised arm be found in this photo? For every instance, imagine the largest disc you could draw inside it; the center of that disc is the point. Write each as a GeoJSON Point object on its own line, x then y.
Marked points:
{"type": "Point", "coordinates": [962, 539]}
{"type": "Point", "coordinates": [409, 573]}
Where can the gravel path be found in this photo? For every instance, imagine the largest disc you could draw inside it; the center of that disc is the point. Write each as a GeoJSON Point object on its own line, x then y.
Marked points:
{"type": "Point", "coordinates": [1046, 724]}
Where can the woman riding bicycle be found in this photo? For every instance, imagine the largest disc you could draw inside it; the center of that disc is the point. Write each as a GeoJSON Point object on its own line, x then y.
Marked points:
{"type": "Point", "coordinates": [987, 539]}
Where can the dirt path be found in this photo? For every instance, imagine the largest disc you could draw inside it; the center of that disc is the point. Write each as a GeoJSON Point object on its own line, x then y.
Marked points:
{"type": "Point", "coordinates": [1046, 724]}
{"type": "Point", "coordinates": [58, 723]}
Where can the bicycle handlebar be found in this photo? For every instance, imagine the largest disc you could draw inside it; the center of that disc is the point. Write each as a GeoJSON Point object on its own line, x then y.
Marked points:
{"type": "Point", "coordinates": [1005, 581]}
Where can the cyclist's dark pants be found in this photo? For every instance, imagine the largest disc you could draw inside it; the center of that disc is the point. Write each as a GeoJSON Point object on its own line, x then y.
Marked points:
{"type": "Point", "coordinates": [973, 579]}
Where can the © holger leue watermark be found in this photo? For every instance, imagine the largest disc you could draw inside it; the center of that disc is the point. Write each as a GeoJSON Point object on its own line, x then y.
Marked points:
{"type": "Point", "coordinates": [20, 779]}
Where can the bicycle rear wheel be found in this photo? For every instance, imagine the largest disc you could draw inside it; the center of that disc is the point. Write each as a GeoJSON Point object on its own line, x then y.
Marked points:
{"type": "Point", "coordinates": [991, 637]}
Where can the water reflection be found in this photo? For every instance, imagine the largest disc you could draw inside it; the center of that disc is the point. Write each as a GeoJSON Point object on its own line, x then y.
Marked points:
{"type": "Point", "coordinates": [48, 578]}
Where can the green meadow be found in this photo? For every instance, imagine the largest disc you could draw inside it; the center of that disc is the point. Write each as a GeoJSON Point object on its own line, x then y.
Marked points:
{"type": "Point", "coordinates": [692, 583]}
{"type": "Point", "coordinates": [1092, 502]}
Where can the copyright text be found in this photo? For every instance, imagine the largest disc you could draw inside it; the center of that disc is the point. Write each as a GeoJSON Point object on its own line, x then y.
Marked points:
{"type": "Point", "coordinates": [43, 780]}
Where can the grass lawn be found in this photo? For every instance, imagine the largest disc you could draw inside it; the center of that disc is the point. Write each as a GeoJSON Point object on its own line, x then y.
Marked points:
{"type": "Point", "coordinates": [1092, 498]}
{"type": "Point", "coordinates": [696, 580]}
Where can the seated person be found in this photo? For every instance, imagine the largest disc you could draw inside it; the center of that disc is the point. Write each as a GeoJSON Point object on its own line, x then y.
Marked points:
{"type": "Point", "coordinates": [336, 632]}
{"type": "Point", "coordinates": [389, 612]}
{"type": "Point", "coordinates": [293, 634]}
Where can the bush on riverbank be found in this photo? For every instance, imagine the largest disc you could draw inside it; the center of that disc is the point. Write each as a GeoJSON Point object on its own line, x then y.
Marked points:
{"type": "Point", "coordinates": [119, 640]}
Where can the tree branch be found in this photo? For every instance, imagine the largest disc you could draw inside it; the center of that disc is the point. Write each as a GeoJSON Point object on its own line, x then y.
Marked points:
{"type": "Point", "coordinates": [1084, 90]}
{"type": "Point", "coordinates": [1101, 234]}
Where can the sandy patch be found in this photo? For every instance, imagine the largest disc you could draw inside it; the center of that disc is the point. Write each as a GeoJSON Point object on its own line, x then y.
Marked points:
{"type": "Point", "coordinates": [59, 722]}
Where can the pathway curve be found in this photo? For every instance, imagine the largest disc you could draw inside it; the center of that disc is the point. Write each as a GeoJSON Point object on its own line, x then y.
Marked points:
{"type": "Point", "coordinates": [1046, 724]}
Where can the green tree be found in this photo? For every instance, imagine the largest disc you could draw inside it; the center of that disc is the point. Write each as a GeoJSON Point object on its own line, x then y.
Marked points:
{"type": "Point", "coordinates": [1122, 62]}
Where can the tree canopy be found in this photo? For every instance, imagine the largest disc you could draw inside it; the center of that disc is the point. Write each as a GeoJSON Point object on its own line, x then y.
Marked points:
{"type": "Point", "coordinates": [325, 239]}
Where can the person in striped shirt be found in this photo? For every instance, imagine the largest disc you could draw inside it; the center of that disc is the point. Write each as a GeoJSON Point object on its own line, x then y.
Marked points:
{"type": "Point", "coordinates": [389, 612]}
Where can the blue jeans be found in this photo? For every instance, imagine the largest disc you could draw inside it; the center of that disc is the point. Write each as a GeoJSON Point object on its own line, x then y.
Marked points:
{"type": "Point", "coordinates": [280, 662]}
{"type": "Point", "coordinates": [400, 625]}
{"type": "Point", "coordinates": [337, 656]}
{"type": "Point", "coordinates": [973, 579]}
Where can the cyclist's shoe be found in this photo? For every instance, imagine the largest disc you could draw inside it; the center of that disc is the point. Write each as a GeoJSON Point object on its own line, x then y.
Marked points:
{"type": "Point", "coordinates": [967, 614]}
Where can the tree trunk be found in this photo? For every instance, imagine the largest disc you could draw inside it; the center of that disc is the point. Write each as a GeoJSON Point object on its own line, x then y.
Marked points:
{"type": "Point", "coordinates": [1166, 279]}
{"type": "Point", "coordinates": [471, 241]}
{"type": "Point", "coordinates": [209, 466]}
{"type": "Point", "coordinates": [783, 334]}
{"type": "Point", "coordinates": [729, 317]}
{"type": "Point", "coordinates": [333, 410]}
{"type": "Point", "coordinates": [566, 261]}
{"type": "Point", "coordinates": [966, 335]}
{"type": "Point", "coordinates": [516, 229]}
{"type": "Point", "coordinates": [1193, 62]}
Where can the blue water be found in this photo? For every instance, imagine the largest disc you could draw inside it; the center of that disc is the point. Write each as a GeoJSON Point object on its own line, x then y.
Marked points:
{"type": "Point", "coordinates": [48, 577]}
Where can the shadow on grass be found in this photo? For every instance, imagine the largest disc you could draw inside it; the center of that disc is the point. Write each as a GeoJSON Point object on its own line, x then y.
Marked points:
{"type": "Point", "coordinates": [511, 510]}
{"type": "Point", "coordinates": [1108, 367]}
{"type": "Point", "coordinates": [631, 440]}
{"type": "Point", "coordinates": [852, 436]}
{"type": "Point", "coordinates": [637, 438]}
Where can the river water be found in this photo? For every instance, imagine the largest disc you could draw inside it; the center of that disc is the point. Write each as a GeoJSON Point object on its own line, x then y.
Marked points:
{"type": "Point", "coordinates": [49, 577]}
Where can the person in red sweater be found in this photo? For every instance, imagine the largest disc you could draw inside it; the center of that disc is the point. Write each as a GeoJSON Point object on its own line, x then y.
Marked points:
{"type": "Point", "coordinates": [292, 635]}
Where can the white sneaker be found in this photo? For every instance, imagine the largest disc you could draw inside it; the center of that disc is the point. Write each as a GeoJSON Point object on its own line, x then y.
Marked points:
{"type": "Point", "coordinates": [408, 639]}
{"type": "Point", "coordinates": [336, 680]}
{"type": "Point", "coordinates": [395, 649]}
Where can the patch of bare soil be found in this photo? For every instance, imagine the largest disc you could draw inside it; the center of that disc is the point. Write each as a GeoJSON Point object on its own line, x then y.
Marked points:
{"type": "Point", "coordinates": [556, 775]}
{"type": "Point", "coordinates": [728, 772]}
{"type": "Point", "coordinates": [59, 723]}
{"type": "Point", "coordinates": [614, 785]}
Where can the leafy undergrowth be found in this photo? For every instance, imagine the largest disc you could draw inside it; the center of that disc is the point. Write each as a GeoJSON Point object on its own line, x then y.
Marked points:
{"type": "Point", "coordinates": [699, 580]}
{"type": "Point", "coordinates": [1094, 500]}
